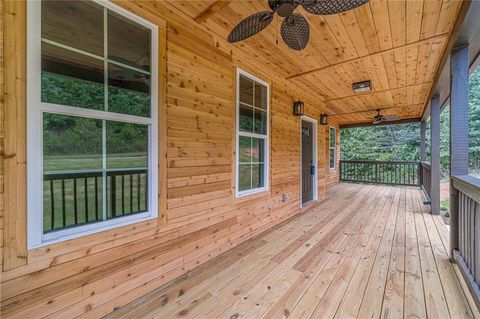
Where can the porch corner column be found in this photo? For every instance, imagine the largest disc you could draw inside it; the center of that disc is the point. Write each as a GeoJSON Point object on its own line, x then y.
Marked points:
{"type": "Point", "coordinates": [459, 91]}
{"type": "Point", "coordinates": [423, 128]}
{"type": "Point", "coordinates": [435, 145]}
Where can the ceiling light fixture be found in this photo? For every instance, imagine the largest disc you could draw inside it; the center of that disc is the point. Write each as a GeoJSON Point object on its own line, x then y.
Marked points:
{"type": "Point", "coordinates": [361, 87]}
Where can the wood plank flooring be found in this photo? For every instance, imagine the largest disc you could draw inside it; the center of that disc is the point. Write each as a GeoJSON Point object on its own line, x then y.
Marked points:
{"type": "Point", "coordinates": [365, 252]}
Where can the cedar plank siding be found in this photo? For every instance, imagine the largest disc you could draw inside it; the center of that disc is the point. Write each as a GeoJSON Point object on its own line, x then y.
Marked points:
{"type": "Point", "coordinates": [199, 217]}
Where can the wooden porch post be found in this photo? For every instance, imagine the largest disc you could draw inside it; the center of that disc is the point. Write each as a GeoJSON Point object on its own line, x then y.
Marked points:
{"type": "Point", "coordinates": [423, 128]}
{"type": "Point", "coordinates": [435, 151]}
{"type": "Point", "coordinates": [459, 89]}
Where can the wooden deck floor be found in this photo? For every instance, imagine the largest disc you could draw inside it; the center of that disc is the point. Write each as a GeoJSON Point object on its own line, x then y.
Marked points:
{"type": "Point", "coordinates": [366, 252]}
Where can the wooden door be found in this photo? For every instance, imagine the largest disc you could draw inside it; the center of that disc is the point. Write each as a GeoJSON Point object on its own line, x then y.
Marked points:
{"type": "Point", "coordinates": [308, 166]}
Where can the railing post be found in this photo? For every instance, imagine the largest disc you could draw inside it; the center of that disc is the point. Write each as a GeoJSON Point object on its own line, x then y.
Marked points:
{"type": "Point", "coordinates": [435, 161]}
{"type": "Point", "coordinates": [459, 91]}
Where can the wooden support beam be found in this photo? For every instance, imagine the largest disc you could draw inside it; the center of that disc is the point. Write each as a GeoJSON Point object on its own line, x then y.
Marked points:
{"type": "Point", "coordinates": [435, 154]}
{"type": "Point", "coordinates": [211, 10]}
{"type": "Point", "coordinates": [459, 90]}
{"type": "Point", "coordinates": [402, 121]}
{"type": "Point", "coordinates": [423, 128]}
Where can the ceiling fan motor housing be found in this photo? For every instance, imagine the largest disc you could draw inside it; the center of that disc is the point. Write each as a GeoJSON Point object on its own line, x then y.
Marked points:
{"type": "Point", "coordinates": [283, 8]}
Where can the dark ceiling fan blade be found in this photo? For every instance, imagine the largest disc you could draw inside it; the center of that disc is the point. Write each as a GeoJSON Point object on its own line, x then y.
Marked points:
{"type": "Point", "coordinates": [325, 7]}
{"type": "Point", "coordinates": [250, 26]}
{"type": "Point", "coordinates": [295, 31]}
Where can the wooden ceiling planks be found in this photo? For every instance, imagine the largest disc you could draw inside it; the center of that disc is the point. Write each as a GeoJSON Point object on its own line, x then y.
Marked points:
{"type": "Point", "coordinates": [397, 44]}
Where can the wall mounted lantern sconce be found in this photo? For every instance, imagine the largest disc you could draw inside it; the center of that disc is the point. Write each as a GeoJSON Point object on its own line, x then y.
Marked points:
{"type": "Point", "coordinates": [298, 108]}
{"type": "Point", "coordinates": [324, 119]}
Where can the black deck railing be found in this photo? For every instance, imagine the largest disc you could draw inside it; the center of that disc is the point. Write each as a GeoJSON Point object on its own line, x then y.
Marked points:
{"type": "Point", "coordinates": [76, 198]}
{"type": "Point", "coordinates": [381, 172]}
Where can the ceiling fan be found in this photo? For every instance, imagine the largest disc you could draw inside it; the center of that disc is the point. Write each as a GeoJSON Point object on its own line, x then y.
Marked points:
{"type": "Point", "coordinates": [295, 30]}
{"type": "Point", "coordinates": [379, 118]}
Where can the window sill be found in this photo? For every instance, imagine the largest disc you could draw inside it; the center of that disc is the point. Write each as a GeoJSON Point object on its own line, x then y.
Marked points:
{"type": "Point", "coordinates": [91, 229]}
{"type": "Point", "coordinates": [259, 192]}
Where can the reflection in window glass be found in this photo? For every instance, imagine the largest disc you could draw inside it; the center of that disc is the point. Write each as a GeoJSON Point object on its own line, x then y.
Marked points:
{"type": "Point", "coordinates": [77, 24]}
{"type": "Point", "coordinates": [260, 96]}
{"type": "Point", "coordinates": [260, 122]}
{"type": "Point", "coordinates": [128, 91]}
{"type": "Point", "coordinates": [128, 42]}
{"type": "Point", "coordinates": [246, 118]}
{"type": "Point", "coordinates": [474, 124]}
{"type": "Point", "coordinates": [245, 148]}
{"type": "Point", "coordinates": [70, 78]}
{"type": "Point", "coordinates": [72, 162]}
{"type": "Point", "coordinates": [333, 141]}
{"type": "Point", "coordinates": [127, 145]}
{"type": "Point", "coordinates": [246, 90]}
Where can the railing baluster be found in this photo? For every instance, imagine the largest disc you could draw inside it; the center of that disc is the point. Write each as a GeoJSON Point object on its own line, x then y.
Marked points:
{"type": "Point", "coordinates": [85, 187]}
{"type": "Point", "coordinates": [113, 194]}
{"type": "Point", "coordinates": [138, 192]}
{"type": "Point", "coordinates": [64, 217]}
{"type": "Point", "coordinates": [131, 193]}
{"type": "Point", "coordinates": [52, 208]}
{"type": "Point", "coordinates": [75, 210]}
{"type": "Point", "coordinates": [123, 194]}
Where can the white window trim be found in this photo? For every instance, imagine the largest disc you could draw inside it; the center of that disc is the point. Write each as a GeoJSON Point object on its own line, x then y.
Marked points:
{"type": "Point", "coordinates": [239, 133]}
{"type": "Point", "coordinates": [315, 160]}
{"type": "Point", "coordinates": [35, 108]}
{"type": "Point", "coordinates": [334, 148]}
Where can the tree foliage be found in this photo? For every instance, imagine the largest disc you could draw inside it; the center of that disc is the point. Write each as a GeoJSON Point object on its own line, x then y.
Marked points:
{"type": "Point", "coordinates": [402, 142]}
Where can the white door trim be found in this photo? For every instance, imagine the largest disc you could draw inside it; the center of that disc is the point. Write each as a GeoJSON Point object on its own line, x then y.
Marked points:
{"type": "Point", "coordinates": [315, 159]}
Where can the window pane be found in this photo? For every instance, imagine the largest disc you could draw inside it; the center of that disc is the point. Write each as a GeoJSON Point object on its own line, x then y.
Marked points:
{"type": "Point", "coordinates": [260, 121]}
{"type": "Point", "coordinates": [127, 192]}
{"type": "Point", "coordinates": [246, 90]}
{"type": "Point", "coordinates": [258, 175]}
{"type": "Point", "coordinates": [246, 118]}
{"type": "Point", "coordinates": [127, 165]}
{"type": "Point", "coordinates": [332, 158]}
{"type": "Point", "coordinates": [127, 145]}
{"type": "Point", "coordinates": [128, 91]}
{"type": "Point", "coordinates": [474, 124]}
{"type": "Point", "coordinates": [332, 137]}
{"type": "Point", "coordinates": [128, 42]}
{"type": "Point", "coordinates": [258, 150]}
{"type": "Point", "coordinates": [245, 149]}
{"type": "Point", "coordinates": [71, 143]}
{"type": "Point", "coordinates": [72, 187]}
{"type": "Point", "coordinates": [244, 177]}
{"type": "Point", "coordinates": [260, 96]}
{"type": "Point", "coordinates": [72, 79]}
{"type": "Point", "coordinates": [77, 24]}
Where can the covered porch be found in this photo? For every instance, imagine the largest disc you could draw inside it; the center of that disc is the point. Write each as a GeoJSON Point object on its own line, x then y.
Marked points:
{"type": "Point", "coordinates": [366, 252]}
{"type": "Point", "coordinates": [157, 170]}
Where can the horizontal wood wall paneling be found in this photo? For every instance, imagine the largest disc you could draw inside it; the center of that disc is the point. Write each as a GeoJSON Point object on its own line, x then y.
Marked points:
{"type": "Point", "coordinates": [91, 275]}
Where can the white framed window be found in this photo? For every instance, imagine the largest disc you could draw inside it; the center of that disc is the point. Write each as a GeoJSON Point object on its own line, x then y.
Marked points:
{"type": "Point", "coordinates": [333, 147]}
{"type": "Point", "coordinates": [92, 131]}
{"type": "Point", "coordinates": [252, 134]}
